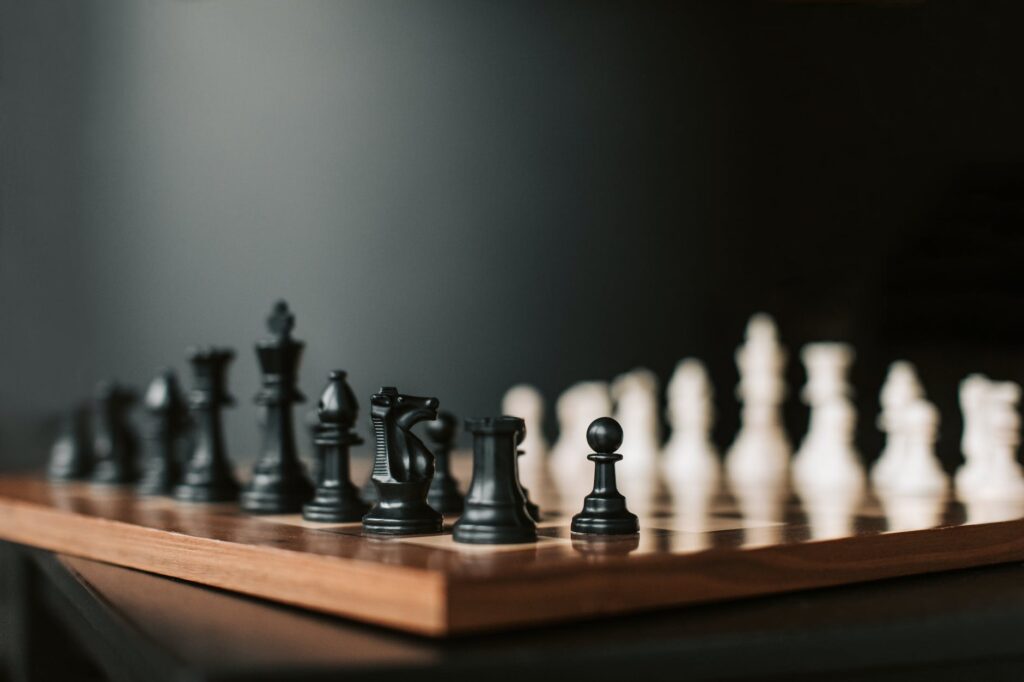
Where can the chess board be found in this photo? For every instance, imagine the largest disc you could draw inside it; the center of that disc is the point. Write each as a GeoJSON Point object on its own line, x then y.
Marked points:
{"type": "Point", "coordinates": [692, 548]}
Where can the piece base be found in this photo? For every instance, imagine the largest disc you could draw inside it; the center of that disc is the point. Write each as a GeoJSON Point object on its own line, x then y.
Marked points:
{"type": "Point", "coordinates": [605, 525]}
{"type": "Point", "coordinates": [334, 513]}
{"type": "Point", "coordinates": [202, 494]}
{"type": "Point", "coordinates": [447, 502]}
{"type": "Point", "coordinates": [493, 535]}
{"type": "Point", "coordinates": [259, 502]}
{"type": "Point", "coordinates": [389, 526]}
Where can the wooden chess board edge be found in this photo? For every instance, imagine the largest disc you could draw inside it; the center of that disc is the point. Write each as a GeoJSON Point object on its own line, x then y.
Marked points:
{"type": "Point", "coordinates": [663, 582]}
{"type": "Point", "coordinates": [392, 596]}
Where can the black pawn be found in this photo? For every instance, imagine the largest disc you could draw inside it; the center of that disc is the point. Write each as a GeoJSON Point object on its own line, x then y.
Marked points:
{"type": "Point", "coordinates": [604, 509]}
{"type": "Point", "coordinates": [167, 412]}
{"type": "Point", "coordinates": [402, 466]}
{"type": "Point", "coordinates": [444, 495]}
{"type": "Point", "coordinates": [71, 454]}
{"type": "Point", "coordinates": [208, 476]}
{"type": "Point", "coordinates": [532, 509]}
{"type": "Point", "coordinates": [495, 512]}
{"type": "Point", "coordinates": [115, 446]}
{"type": "Point", "coordinates": [279, 484]}
{"type": "Point", "coordinates": [336, 498]}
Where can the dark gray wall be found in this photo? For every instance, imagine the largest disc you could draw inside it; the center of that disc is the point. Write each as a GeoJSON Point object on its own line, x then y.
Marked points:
{"type": "Point", "coordinates": [456, 195]}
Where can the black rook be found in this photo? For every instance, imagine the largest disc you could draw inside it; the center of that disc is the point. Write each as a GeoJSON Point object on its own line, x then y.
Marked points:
{"type": "Point", "coordinates": [495, 511]}
{"type": "Point", "coordinates": [208, 476]}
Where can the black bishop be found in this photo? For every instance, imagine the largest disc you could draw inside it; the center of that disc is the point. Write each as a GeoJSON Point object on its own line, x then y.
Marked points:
{"type": "Point", "coordinates": [336, 499]}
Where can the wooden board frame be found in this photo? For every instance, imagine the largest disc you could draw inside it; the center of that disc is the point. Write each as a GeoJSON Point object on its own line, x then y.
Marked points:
{"type": "Point", "coordinates": [438, 592]}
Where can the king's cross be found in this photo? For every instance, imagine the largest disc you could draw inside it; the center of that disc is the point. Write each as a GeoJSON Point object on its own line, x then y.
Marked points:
{"type": "Point", "coordinates": [281, 320]}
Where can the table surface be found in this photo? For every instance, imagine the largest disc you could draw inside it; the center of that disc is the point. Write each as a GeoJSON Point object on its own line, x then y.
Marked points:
{"type": "Point", "coordinates": [943, 626]}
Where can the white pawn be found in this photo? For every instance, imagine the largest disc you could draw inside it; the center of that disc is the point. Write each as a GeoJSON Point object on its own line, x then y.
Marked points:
{"type": "Point", "coordinates": [829, 439]}
{"type": "Point", "coordinates": [1002, 475]}
{"type": "Point", "coordinates": [760, 453]}
{"type": "Point", "coordinates": [636, 408]}
{"type": "Point", "coordinates": [579, 405]}
{"type": "Point", "coordinates": [919, 472]}
{"type": "Point", "coordinates": [833, 463]}
{"type": "Point", "coordinates": [973, 442]}
{"type": "Point", "coordinates": [527, 403]}
{"type": "Point", "coordinates": [901, 388]}
{"type": "Point", "coordinates": [690, 458]}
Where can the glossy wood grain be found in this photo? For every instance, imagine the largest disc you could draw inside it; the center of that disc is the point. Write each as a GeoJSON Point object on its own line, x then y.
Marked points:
{"type": "Point", "coordinates": [429, 586]}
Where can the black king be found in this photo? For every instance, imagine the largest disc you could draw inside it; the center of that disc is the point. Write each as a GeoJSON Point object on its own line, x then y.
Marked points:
{"type": "Point", "coordinates": [402, 466]}
{"type": "Point", "coordinates": [279, 484]}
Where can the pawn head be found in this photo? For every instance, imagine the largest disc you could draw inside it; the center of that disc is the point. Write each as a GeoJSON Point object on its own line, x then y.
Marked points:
{"type": "Point", "coordinates": [604, 435]}
{"type": "Point", "coordinates": [442, 429]}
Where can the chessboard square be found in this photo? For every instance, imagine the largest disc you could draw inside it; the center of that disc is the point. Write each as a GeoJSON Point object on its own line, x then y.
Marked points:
{"type": "Point", "coordinates": [713, 524]}
{"type": "Point", "coordinates": [447, 542]}
{"type": "Point", "coordinates": [297, 520]}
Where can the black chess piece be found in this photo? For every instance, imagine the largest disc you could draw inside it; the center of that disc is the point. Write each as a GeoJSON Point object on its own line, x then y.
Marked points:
{"type": "Point", "coordinates": [444, 495]}
{"type": "Point", "coordinates": [336, 499]}
{"type": "Point", "coordinates": [71, 454]}
{"type": "Point", "coordinates": [495, 512]}
{"type": "Point", "coordinates": [316, 465]}
{"type": "Point", "coordinates": [604, 509]}
{"type": "Point", "coordinates": [402, 466]}
{"type": "Point", "coordinates": [279, 484]}
{"type": "Point", "coordinates": [208, 476]}
{"type": "Point", "coordinates": [369, 490]}
{"type": "Point", "coordinates": [532, 509]}
{"type": "Point", "coordinates": [167, 412]}
{"type": "Point", "coordinates": [115, 445]}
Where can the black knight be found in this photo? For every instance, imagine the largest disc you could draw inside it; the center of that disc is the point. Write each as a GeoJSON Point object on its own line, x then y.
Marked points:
{"type": "Point", "coordinates": [402, 466]}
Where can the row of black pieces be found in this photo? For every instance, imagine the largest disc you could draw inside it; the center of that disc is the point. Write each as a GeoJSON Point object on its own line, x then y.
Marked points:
{"type": "Point", "coordinates": [403, 480]}
{"type": "Point", "coordinates": [492, 515]}
{"type": "Point", "coordinates": [279, 483]}
{"type": "Point", "coordinates": [98, 444]}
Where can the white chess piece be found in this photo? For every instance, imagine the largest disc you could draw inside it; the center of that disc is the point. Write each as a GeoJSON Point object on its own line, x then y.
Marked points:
{"type": "Point", "coordinates": [691, 518]}
{"type": "Point", "coordinates": [827, 365]}
{"type": "Point", "coordinates": [831, 511]}
{"type": "Point", "coordinates": [579, 405]}
{"type": "Point", "coordinates": [1002, 477]}
{"type": "Point", "coordinates": [636, 409]}
{"type": "Point", "coordinates": [833, 463]}
{"type": "Point", "coordinates": [973, 443]}
{"type": "Point", "coordinates": [919, 472]}
{"type": "Point", "coordinates": [762, 506]}
{"type": "Point", "coordinates": [912, 512]}
{"type": "Point", "coordinates": [690, 458]}
{"type": "Point", "coordinates": [760, 453]}
{"type": "Point", "coordinates": [827, 450]}
{"type": "Point", "coordinates": [527, 403]}
{"type": "Point", "coordinates": [901, 388]}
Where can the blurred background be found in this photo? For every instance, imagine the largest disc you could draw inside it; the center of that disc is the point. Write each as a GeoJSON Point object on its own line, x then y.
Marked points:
{"type": "Point", "coordinates": [458, 195]}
